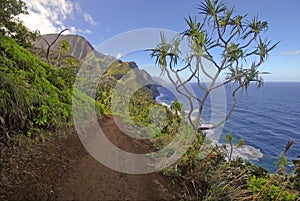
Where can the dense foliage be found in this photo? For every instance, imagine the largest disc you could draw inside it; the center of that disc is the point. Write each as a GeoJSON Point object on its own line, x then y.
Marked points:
{"type": "Point", "coordinates": [33, 96]}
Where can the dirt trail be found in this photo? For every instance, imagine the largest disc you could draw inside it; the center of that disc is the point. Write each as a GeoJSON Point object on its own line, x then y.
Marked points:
{"type": "Point", "coordinates": [90, 180]}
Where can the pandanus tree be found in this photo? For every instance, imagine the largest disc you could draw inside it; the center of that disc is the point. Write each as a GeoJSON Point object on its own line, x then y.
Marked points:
{"type": "Point", "coordinates": [231, 44]}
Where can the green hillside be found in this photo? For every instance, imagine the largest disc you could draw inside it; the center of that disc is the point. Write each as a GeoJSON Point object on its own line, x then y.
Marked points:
{"type": "Point", "coordinates": [34, 95]}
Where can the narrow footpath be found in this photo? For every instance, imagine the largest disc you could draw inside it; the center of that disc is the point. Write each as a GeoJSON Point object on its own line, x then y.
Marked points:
{"type": "Point", "coordinates": [90, 180]}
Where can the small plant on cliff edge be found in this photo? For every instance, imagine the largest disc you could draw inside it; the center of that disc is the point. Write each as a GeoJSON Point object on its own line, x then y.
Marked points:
{"type": "Point", "coordinates": [176, 107]}
{"type": "Point", "coordinates": [229, 139]}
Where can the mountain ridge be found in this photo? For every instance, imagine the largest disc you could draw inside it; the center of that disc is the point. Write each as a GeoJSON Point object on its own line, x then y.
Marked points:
{"type": "Point", "coordinates": [79, 46]}
{"type": "Point", "coordinates": [81, 49]}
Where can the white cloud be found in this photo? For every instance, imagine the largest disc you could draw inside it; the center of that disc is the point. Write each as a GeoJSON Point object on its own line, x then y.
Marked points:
{"type": "Point", "coordinates": [296, 52]}
{"type": "Point", "coordinates": [73, 30]}
{"type": "Point", "coordinates": [46, 15]}
{"type": "Point", "coordinates": [36, 21]}
{"type": "Point", "coordinates": [119, 55]}
{"type": "Point", "coordinates": [88, 18]}
{"type": "Point", "coordinates": [49, 16]}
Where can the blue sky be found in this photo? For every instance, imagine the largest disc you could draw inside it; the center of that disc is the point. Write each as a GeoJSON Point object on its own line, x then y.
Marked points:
{"type": "Point", "coordinates": [99, 20]}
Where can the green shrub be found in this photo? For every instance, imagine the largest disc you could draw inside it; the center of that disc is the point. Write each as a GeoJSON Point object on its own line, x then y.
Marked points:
{"type": "Point", "coordinates": [270, 189]}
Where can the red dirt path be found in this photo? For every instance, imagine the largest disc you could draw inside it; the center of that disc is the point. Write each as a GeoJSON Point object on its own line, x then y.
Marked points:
{"type": "Point", "coordinates": [93, 181]}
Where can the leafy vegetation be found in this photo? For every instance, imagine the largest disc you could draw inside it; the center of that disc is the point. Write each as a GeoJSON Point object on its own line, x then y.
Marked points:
{"type": "Point", "coordinates": [270, 189]}
{"type": "Point", "coordinates": [33, 96]}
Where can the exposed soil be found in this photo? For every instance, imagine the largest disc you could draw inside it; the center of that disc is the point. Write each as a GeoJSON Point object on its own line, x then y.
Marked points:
{"type": "Point", "coordinates": [61, 169]}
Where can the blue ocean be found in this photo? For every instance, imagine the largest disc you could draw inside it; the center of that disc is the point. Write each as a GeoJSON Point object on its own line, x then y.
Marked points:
{"type": "Point", "coordinates": [266, 118]}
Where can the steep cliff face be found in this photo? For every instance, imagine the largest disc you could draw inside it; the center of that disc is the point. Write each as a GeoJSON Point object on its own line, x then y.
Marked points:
{"type": "Point", "coordinates": [118, 69]}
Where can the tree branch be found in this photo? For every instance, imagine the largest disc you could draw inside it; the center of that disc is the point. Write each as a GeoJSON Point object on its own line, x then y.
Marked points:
{"type": "Point", "coordinates": [227, 116]}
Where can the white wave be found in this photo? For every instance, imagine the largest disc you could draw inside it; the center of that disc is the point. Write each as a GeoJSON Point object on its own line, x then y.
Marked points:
{"type": "Point", "coordinates": [246, 152]}
{"type": "Point", "coordinates": [211, 135]}
{"type": "Point", "coordinates": [165, 104]}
